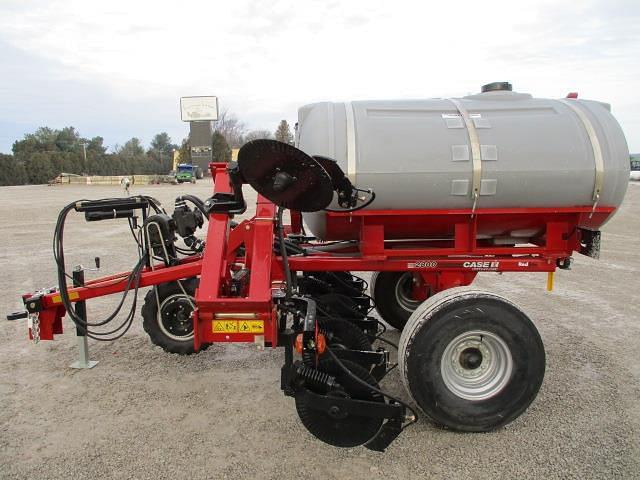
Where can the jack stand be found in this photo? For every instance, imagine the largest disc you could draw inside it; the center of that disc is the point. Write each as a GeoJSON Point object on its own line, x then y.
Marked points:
{"type": "Point", "coordinates": [81, 311]}
{"type": "Point", "coordinates": [83, 361]}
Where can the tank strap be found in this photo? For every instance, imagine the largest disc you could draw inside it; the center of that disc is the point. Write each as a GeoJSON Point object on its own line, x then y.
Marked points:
{"type": "Point", "coordinates": [595, 146]}
{"type": "Point", "coordinates": [351, 143]}
{"type": "Point", "coordinates": [475, 152]}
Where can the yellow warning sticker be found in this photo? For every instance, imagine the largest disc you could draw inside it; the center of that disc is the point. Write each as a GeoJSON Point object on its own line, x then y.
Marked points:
{"type": "Point", "coordinates": [251, 326]}
{"type": "Point", "coordinates": [72, 296]}
{"type": "Point", "coordinates": [238, 326]}
{"type": "Point", "coordinates": [225, 326]}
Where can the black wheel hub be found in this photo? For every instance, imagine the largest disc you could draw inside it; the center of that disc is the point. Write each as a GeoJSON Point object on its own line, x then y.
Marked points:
{"type": "Point", "coordinates": [335, 411]}
{"type": "Point", "coordinates": [471, 358]}
{"type": "Point", "coordinates": [176, 316]}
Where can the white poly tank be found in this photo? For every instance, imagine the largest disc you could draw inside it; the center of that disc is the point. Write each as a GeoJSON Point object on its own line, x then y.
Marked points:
{"type": "Point", "coordinates": [497, 149]}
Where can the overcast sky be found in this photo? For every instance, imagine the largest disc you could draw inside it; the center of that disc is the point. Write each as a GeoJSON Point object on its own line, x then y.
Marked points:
{"type": "Point", "coordinates": [117, 68]}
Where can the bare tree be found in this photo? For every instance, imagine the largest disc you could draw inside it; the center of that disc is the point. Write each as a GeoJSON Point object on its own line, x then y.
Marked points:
{"type": "Point", "coordinates": [232, 129]}
{"type": "Point", "coordinates": [257, 134]}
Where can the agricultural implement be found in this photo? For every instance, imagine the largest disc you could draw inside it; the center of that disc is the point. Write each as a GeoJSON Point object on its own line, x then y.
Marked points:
{"type": "Point", "coordinates": [470, 360]}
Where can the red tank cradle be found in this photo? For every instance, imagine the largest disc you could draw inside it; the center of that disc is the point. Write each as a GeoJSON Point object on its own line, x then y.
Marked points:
{"type": "Point", "coordinates": [438, 265]}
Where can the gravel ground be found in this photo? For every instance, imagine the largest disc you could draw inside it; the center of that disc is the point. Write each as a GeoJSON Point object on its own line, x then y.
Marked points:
{"type": "Point", "coordinates": [142, 413]}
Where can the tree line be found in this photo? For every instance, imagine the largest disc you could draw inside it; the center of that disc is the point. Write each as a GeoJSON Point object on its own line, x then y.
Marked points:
{"type": "Point", "coordinates": [42, 155]}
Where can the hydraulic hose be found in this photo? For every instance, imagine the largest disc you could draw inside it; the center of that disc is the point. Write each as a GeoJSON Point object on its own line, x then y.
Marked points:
{"type": "Point", "coordinates": [283, 253]}
{"type": "Point", "coordinates": [133, 281]}
{"type": "Point", "coordinates": [196, 201]}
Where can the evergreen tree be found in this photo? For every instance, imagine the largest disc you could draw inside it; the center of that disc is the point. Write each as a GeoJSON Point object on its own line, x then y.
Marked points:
{"type": "Point", "coordinates": [185, 151]}
{"type": "Point", "coordinates": [96, 145]}
{"type": "Point", "coordinates": [67, 139]}
{"type": "Point", "coordinates": [283, 133]}
{"type": "Point", "coordinates": [45, 153]}
{"type": "Point", "coordinates": [220, 150]}
{"type": "Point", "coordinates": [161, 152]}
{"type": "Point", "coordinates": [12, 172]}
{"type": "Point", "coordinates": [40, 168]}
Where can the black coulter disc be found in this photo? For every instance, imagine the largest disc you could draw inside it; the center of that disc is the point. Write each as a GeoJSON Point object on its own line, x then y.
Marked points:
{"type": "Point", "coordinates": [343, 334]}
{"type": "Point", "coordinates": [347, 430]}
{"type": "Point", "coordinates": [285, 175]}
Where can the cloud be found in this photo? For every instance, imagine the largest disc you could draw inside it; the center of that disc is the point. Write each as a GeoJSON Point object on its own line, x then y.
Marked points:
{"type": "Point", "coordinates": [266, 58]}
{"type": "Point", "coordinates": [38, 92]}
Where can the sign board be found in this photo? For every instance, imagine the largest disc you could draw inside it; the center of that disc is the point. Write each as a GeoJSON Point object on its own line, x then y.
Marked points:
{"type": "Point", "coordinates": [195, 109]}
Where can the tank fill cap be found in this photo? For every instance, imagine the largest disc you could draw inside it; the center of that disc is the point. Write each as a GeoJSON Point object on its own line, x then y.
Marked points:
{"type": "Point", "coordinates": [497, 87]}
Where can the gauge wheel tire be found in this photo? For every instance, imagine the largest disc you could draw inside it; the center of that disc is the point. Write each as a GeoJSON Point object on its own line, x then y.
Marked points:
{"type": "Point", "coordinates": [391, 294]}
{"type": "Point", "coordinates": [173, 330]}
{"type": "Point", "coordinates": [472, 360]}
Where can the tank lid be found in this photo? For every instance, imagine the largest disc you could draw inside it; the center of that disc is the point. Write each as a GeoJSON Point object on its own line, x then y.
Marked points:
{"type": "Point", "coordinates": [497, 87]}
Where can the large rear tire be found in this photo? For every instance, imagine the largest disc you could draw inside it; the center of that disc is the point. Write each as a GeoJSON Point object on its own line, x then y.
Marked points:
{"type": "Point", "coordinates": [472, 360]}
{"type": "Point", "coordinates": [391, 292]}
{"type": "Point", "coordinates": [171, 327]}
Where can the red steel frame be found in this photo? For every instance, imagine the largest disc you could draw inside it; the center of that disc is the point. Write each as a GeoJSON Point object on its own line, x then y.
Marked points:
{"type": "Point", "coordinates": [438, 265]}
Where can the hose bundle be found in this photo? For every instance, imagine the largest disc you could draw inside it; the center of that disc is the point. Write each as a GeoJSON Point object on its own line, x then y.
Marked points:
{"type": "Point", "coordinates": [132, 283]}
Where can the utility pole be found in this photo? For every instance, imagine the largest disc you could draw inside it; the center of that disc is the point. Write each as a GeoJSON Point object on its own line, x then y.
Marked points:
{"type": "Point", "coordinates": [84, 156]}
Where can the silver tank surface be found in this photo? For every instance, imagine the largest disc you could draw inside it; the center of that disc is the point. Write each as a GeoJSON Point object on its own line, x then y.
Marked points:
{"type": "Point", "coordinates": [498, 149]}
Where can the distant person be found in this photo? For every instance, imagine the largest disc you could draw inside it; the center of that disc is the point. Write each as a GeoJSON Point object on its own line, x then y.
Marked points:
{"type": "Point", "coordinates": [125, 182]}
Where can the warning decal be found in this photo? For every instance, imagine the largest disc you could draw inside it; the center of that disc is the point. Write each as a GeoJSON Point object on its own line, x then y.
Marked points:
{"type": "Point", "coordinates": [225, 326]}
{"type": "Point", "coordinates": [238, 326]}
{"type": "Point", "coordinates": [251, 326]}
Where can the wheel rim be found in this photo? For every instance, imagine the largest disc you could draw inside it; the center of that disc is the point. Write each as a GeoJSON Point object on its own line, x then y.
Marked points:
{"type": "Point", "coordinates": [174, 317]}
{"type": "Point", "coordinates": [476, 365]}
{"type": "Point", "coordinates": [404, 286]}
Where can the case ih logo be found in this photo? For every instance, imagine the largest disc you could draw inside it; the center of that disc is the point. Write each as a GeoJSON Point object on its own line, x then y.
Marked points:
{"type": "Point", "coordinates": [481, 265]}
